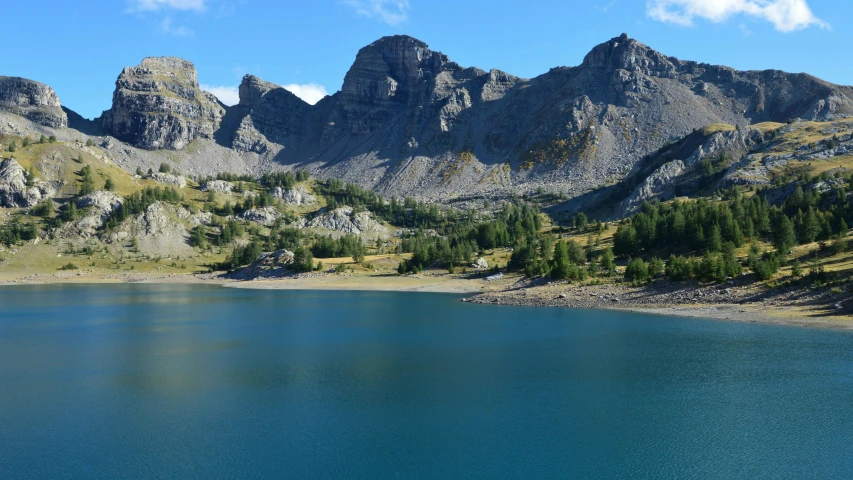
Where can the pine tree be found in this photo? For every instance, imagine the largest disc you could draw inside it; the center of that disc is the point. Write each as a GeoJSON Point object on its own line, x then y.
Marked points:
{"type": "Point", "coordinates": [714, 242]}
{"type": "Point", "coordinates": [562, 264]}
{"type": "Point", "coordinates": [783, 235]}
{"type": "Point", "coordinates": [608, 264]}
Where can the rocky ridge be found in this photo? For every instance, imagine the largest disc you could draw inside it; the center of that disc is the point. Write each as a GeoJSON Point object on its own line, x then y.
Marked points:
{"type": "Point", "coordinates": [408, 121]}
{"type": "Point", "coordinates": [32, 100]}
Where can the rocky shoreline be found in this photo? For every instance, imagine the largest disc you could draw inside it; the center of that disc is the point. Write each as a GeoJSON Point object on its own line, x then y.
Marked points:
{"type": "Point", "coordinates": [732, 301]}
{"type": "Point", "coordinates": [812, 307]}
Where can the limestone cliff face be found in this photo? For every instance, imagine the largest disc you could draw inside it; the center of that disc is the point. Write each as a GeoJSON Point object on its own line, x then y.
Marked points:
{"type": "Point", "coordinates": [32, 100]}
{"type": "Point", "coordinates": [399, 84]}
{"type": "Point", "coordinates": [268, 116]}
{"type": "Point", "coordinates": [159, 105]}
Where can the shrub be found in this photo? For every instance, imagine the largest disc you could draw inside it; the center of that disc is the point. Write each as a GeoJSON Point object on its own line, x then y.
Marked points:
{"type": "Point", "coordinates": [68, 266]}
{"type": "Point", "coordinates": [165, 168]}
{"type": "Point", "coordinates": [637, 271]}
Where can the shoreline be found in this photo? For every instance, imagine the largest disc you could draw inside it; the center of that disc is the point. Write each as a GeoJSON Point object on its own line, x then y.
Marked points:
{"type": "Point", "coordinates": [736, 304]}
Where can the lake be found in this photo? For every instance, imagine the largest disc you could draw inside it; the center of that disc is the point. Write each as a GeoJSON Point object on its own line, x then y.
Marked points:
{"type": "Point", "coordinates": [183, 381]}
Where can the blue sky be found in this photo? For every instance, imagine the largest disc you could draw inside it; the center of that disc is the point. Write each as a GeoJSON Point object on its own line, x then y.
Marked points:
{"type": "Point", "coordinates": [79, 48]}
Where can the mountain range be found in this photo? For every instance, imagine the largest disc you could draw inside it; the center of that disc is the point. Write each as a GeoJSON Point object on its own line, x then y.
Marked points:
{"type": "Point", "coordinates": [410, 122]}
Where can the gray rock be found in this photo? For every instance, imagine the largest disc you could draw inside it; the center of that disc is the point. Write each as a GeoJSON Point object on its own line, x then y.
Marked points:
{"type": "Point", "coordinates": [659, 185]}
{"type": "Point", "coordinates": [14, 192]}
{"type": "Point", "coordinates": [169, 179]}
{"type": "Point", "coordinates": [103, 201]}
{"type": "Point", "coordinates": [344, 221]}
{"type": "Point", "coordinates": [159, 105]}
{"type": "Point", "coordinates": [298, 195]}
{"type": "Point", "coordinates": [32, 100]}
{"type": "Point", "coordinates": [218, 186]}
{"type": "Point", "coordinates": [266, 216]}
{"type": "Point", "coordinates": [100, 206]}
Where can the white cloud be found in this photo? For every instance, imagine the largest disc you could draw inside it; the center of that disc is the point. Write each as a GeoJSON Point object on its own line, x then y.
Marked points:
{"type": "Point", "coordinates": [392, 12]}
{"type": "Point", "coordinates": [227, 95]}
{"type": "Point", "coordinates": [167, 27]}
{"type": "Point", "coordinates": [157, 5]}
{"type": "Point", "coordinates": [310, 92]}
{"type": "Point", "coordinates": [785, 15]}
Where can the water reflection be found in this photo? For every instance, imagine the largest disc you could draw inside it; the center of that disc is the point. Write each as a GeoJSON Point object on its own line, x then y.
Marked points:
{"type": "Point", "coordinates": [187, 381]}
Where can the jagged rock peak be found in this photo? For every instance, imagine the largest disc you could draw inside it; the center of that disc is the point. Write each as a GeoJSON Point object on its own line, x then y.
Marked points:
{"type": "Point", "coordinates": [624, 53]}
{"type": "Point", "coordinates": [391, 69]}
{"type": "Point", "coordinates": [158, 104]}
{"type": "Point", "coordinates": [253, 89]}
{"type": "Point", "coordinates": [32, 100]}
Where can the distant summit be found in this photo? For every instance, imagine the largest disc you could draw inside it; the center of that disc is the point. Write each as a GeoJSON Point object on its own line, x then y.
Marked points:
{"type": "Point", "coordinates": [409, 121]}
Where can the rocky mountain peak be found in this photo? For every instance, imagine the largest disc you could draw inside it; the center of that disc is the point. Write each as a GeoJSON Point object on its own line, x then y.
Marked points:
{"type": "Point", "coordinates": [32, 100]}
{"type": "Point", "coordinates": [624, 53]}
{"type": "Point", "coordinates": [392, 69]}
{"type": "Point", "coordinates": [158, 104]}
{"type": "Point", "coordinates": [253, 89]}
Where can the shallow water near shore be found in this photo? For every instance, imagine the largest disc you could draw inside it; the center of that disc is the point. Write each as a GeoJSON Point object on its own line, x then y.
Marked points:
{"type": "Point", "coordinates": [192, 381]}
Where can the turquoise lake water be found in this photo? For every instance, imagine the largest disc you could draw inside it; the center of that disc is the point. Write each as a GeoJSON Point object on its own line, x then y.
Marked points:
{"type": "Point", "coordinates": [164, 381]}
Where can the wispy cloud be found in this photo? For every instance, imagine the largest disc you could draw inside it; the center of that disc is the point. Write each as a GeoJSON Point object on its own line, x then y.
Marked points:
{"type": "Point", "coordinates": [392, 12]}
{"type": "Point", "coordinates": [785, 15]}
{"type": "Point", "coordinates": [606, 7]}
{"type": "Point", "coordinates": [169, 28]}
{"type": "Point", "coordinates": [158, 5]}
{"type": "Point", "coordinates": [227, 95]}
{"type": "Point", "coordinates": [310, 92]}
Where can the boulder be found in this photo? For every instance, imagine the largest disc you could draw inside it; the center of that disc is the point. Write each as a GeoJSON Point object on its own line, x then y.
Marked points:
{"type": "Point", "coordinates": [220, 186]}
{"type": "Point", "coordinates": [169, 179]}
{"type": "Point", "coordinates": [264, 216]}
{"type": "Point", "coordinates": [296, 196]}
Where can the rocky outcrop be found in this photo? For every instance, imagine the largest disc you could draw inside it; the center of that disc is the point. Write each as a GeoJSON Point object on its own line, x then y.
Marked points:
{"type": "Point", "coordinates": [158, 231]}
{"type": "Point", "coordinates": [16, 191]}
{"type": "Point", "coordinates": [265, 216]}
{"type": "Point", "coordinates": [159, 105]}
{"type": "Point", "coordinates": [32, 100]}
{"type": "Point", "coordinates": [220, 186]}
{"type": "Point", "coordinates": [660, 185]}
{"type": "Point", "coordinates": [296, 196]}
{"type": "Point", "coordinates": [98, 206]}
{"type": "Point", "coordinates": [268, 117]}
{"type": "Point", "coordinates": [169, 179]}
{"type": "Point", "coordinates": [344, 221]}
{"type": "Point", "coordinates": [733, 144]}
